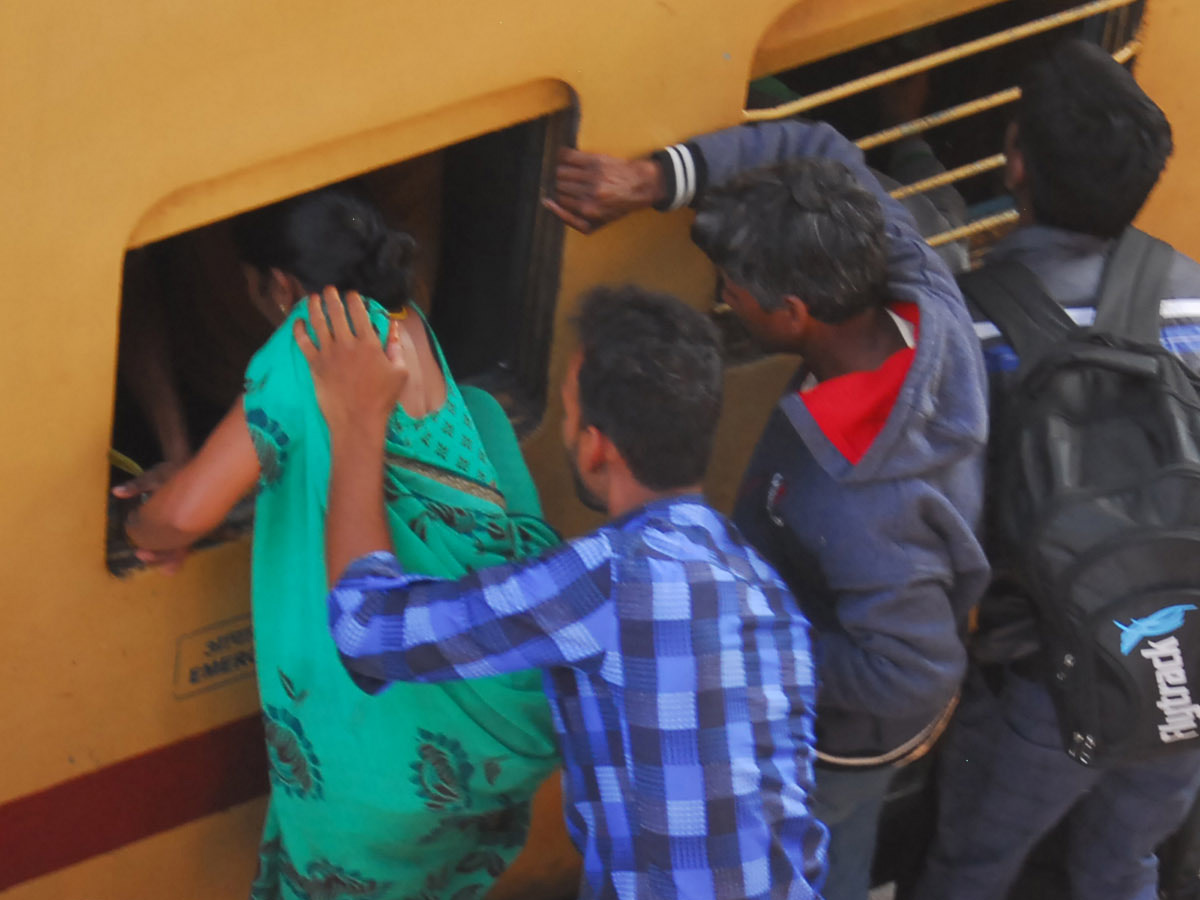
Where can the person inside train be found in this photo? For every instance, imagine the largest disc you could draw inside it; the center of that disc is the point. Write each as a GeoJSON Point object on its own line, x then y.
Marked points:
{"type": "Point", "coordinates": [189, 327]}
{"type": "Point", "coordinates": [424, 790]}
{"type": "Point", "coordinates": [676, 659]}
{"type": "Point", "coordinates": [866, 487]}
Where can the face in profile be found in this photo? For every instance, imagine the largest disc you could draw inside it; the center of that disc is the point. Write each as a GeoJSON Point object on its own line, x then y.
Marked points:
{"type": "Point", "coordinates": [761, 325]}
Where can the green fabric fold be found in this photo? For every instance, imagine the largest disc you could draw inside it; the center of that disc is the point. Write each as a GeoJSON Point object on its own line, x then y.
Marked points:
{"type": "Point", "coordinates": [421, 791]}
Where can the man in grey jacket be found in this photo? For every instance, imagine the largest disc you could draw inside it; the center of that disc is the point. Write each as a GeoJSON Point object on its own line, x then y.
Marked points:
{"type": "Point", "coordinates": [867, 482]}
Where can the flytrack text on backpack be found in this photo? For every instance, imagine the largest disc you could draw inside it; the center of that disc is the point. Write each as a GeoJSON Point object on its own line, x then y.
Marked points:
{"type": "Point", "coordinates": [1174, 697]}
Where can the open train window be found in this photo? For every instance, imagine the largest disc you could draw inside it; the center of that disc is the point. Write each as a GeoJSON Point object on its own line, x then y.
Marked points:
{"type": "Point", "coordinates": [486, 274]}
{"type": "Point", "coordinates": [930, 107]}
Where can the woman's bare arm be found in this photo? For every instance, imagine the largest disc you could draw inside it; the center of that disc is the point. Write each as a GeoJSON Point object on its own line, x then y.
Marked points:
{"type": "Point", "coordinates": [198, 497]}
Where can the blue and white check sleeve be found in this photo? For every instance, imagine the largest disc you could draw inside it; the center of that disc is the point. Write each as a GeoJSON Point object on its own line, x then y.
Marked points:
{"type": "Point", "coordinates": [551, 611]}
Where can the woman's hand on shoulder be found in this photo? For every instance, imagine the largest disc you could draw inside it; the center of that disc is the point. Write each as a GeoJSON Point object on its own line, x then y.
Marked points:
{"type": "Point", "coordinates": [358, 382]}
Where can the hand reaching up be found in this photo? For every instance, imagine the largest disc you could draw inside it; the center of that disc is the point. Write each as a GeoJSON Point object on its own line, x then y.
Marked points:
{"type": "Point", "coordinates": [358, 382]}
{"type": "Point", "coordinates": [591, 189]}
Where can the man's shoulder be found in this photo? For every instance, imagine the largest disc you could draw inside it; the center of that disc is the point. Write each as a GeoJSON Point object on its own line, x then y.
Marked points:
{"type": "Point", "coordinates": [1183, 280]}
{"type": "Point", "coordinates": [671, 513]}
{"type": "Point", "coordinates": [686, 531]}
{"type": "Point", "coordinates": [1179, 313]}
{"type": "Point", "coordinates": [1077, 258]}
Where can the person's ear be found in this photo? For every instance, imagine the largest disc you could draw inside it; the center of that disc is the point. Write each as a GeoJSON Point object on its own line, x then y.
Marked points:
{"type": "Point", "coordinates": [591, 453]}
{"type": "Point", "coordinates": [284, 289]}
{"type": "Point", "coordinates": [795, 315]}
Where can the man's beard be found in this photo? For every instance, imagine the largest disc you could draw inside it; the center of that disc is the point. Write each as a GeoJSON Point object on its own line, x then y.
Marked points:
{"type": "Point", "coordinates": [586, 497]}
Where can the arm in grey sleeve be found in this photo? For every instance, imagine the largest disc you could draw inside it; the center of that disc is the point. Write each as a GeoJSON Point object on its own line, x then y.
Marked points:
{"type": "Point", "coordinates": [912, 160]}
{"type": "Point", "coordinates": [715, 158]}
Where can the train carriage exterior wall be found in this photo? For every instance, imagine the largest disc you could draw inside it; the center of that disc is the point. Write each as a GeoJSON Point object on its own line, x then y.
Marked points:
{"type": "Point", "coordinates": [131, 765]}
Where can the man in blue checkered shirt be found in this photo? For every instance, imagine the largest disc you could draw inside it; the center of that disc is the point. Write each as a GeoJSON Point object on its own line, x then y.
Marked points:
{"type": "Point", "coordinates": [676, 662]}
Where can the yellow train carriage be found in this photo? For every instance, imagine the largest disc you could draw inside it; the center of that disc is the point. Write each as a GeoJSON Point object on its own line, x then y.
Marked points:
{"type": "Point", "coordinates": [132, 762]}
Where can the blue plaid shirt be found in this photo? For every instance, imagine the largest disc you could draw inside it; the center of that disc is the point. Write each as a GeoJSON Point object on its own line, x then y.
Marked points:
{"type": "Point", "coordinates": [678, 668]}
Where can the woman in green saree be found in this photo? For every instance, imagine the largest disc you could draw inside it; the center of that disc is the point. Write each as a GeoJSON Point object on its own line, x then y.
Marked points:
{"type": "Point", "coordinates": [422, 791]}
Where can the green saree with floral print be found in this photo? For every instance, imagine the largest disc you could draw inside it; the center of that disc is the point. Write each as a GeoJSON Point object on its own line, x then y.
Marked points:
{"type": "Point", "coordinates": [421, 791]}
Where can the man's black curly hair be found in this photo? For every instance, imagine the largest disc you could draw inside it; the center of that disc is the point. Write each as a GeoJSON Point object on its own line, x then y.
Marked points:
{"type": "Point", "coordinates": [651, 381]}
{"type": "Point", "coordinates": [1094, 143]}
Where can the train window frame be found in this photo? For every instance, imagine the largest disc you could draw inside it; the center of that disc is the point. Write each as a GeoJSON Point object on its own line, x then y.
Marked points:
{"type": "Point", "coordinates": [1113, 24]}
{"type": "Point", "coordinates": [491, 185]}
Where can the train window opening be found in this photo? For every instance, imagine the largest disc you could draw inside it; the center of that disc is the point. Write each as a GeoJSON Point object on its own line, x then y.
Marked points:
{"type": "Point", "coordinates": [930, 108]}
{"type": "Point", "coordinates": [485, 273]}
{"type": "Point", "coordinates": [960, 105]}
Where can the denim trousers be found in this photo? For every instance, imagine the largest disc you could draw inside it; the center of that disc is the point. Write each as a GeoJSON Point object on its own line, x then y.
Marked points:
{"type": "Point", "coordinates": [849, 802]}
{"type": "Point", "coordinates": [1005, 780]}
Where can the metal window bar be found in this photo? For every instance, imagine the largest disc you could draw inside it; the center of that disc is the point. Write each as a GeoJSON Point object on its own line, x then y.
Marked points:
{"type": "Point", "coordinates": [966, 110]}
{"type": "Point", "coordinates": [1114, 27]}
{"type": "Point", "coordinates": [972, 228]}
{"type": "Point", "coordinates": [933, 60]}
{"type": "Point", "coordinates": [962, 173]}
{"type": "Point", "coordinates": [933, 120]}
{"type": "Point", "coordinates": [971, 169]}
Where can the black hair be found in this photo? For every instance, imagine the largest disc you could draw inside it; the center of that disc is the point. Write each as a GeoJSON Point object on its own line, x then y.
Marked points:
{"type": "Point", "coordinates": [1094, 144]}
{"type": "Point", "coordinates": [328, 237]}
{"type": "Point", "coordinates": [651, 381]}
{"type": "Point", "coordinates": [804, 228]}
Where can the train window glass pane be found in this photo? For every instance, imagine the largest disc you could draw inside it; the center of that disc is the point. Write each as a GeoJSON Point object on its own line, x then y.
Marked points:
{"type": "Point", "coordinates": [486, 274]}
{"type": "Point", "coordinates": [970, 95]}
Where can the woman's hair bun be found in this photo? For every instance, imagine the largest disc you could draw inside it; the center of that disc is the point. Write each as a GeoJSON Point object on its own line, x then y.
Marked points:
{"type": "Point", "coordinates": [384, 270]}
{"type": "Point", "coordinates": [395, 250]}
{"type": "Point", "coordinates": [331, 236]}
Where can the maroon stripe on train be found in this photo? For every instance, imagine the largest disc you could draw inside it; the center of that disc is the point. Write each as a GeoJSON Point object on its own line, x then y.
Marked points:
{"type": "Point", "coordinates": [130, 800]}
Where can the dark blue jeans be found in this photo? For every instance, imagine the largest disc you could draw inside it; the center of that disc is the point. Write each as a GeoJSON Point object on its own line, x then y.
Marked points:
{"type": "Point", "coordinates": [1005, 781]}
{"type": "Point", "coordinates": [849, 803]}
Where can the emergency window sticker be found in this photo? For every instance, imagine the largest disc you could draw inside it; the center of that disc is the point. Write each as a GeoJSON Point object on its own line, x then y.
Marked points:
{"type": "Point", "coordinates": [214, 657]}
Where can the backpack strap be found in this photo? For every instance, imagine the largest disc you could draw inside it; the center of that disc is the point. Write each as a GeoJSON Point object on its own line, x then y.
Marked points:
{"type": "Point", "coordinates": [1133, 286]}
{"type": "Point", "coordinates": [1011, 297]}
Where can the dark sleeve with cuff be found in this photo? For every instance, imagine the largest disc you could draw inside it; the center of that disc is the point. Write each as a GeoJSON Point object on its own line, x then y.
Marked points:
{"type": "Point", "coordinates": [685, 173]}
{"type": "Point", "coordinates": [716, 157]}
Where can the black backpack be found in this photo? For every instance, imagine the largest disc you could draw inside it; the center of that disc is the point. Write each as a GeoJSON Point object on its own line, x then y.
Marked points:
{"type": "Point", "coordinates": [1094, 502]}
